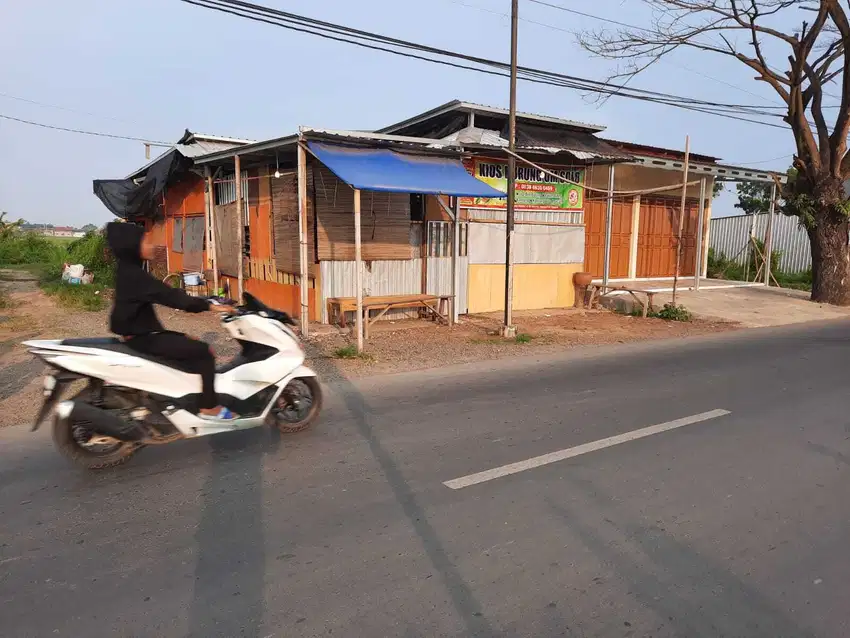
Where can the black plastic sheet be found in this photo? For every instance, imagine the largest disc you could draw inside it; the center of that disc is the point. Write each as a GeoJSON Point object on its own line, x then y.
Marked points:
{"type": "Point", "coordinates": [131, 201]}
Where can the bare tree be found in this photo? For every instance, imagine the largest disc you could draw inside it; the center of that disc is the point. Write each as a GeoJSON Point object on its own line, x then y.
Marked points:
{"type": "Point", "coordinates": [798, 48]}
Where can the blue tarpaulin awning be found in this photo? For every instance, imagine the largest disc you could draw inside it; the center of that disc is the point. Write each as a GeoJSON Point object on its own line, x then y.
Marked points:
{"type": "Point", "coordinates": [385, 170]}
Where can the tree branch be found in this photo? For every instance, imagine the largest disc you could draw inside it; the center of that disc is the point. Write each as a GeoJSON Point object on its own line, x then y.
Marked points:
{"type": "Point", "coordinates": [838, 140]}
{"type": "Point", "coordinates": [814, 52]}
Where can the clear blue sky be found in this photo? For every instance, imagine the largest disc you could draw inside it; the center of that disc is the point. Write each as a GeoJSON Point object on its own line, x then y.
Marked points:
{"type": "Point", "coordinates": [151, 68]}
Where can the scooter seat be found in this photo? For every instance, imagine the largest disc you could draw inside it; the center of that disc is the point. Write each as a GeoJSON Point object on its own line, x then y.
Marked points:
{"type": "Point", "coordinates": [91, 342]}
{"type": "Point", "coordinates": [116, 345]}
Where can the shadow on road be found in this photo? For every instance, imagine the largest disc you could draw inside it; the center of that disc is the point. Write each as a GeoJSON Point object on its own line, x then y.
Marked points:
{"type": "Point", "coordinates": [460, 593]}
{"type": "Point", "coordinates": [229, 594]}
{"type": "Point", "coordinates": [689, 592]}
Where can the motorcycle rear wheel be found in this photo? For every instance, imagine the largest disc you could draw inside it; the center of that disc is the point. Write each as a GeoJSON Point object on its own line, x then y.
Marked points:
{"type": "Point", "coordinates": [68, 438]}
{"type": "Point", "coordinates": [298, 406]}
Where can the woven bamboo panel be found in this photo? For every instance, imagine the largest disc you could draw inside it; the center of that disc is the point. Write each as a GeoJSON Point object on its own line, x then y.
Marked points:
{"type": "Point", "coordinates": [385, 221]}
{"type": "Point", "coordinates": [159, 263]}
{"type": "Point", "coordinates": [193, 244]}
{"type": "Point", "coordinates": [226, 242]}
{"type": "Point", "coordinates": [285, 221]}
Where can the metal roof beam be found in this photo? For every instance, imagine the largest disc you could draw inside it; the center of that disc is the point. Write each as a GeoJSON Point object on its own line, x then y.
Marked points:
{"type": "Point", "coordinates": [720, 172]}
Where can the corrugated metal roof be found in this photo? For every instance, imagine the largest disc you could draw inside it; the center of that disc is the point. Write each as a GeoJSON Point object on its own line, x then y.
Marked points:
{"type": "Point", "coordinates": [193, 145]}
{"type": "Point", "coordinates": [204, 147]}
{"type": "Point", "coordinates": [495, 110]}
{"type": "Point", "coordinates": [582, 146]}
{"type": "Point", "coordinates": [457, 105]}
{"type": "Point", "coordinates": [474, 135]}
{"type": "Point", "coordinates": [217, 138]}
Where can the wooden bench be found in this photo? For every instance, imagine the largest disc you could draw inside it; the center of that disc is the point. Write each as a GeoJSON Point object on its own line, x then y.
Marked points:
{"type": "Point", "coordinates": [599, 290]}
{"type": "Point", "coordinates": [437, 305]}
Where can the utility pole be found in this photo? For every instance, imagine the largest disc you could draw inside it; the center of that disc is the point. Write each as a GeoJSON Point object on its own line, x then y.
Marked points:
{"type": "Point", "coordinates": [682, 213]}
{"type": "Point", "coordinates": [509, 330]}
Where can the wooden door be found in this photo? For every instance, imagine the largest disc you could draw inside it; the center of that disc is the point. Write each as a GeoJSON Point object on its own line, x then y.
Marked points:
{"type": "Point", "coordinates": [594, 238]}
{"type": "Point", "coordinates": [659, 225]}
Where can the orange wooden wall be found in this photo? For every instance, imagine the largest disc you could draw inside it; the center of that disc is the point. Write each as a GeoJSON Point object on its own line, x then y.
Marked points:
{"type": "Point", "coordinates": [659, 227]}
{"type": "Point", "coordinates": [594, 241]}
{"type": "Point", "coordinates": [279, 296]}
{"type": "Point", "coordinates": [185, 198]}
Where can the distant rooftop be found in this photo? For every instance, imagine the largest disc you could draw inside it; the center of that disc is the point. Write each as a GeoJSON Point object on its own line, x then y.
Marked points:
{"type": "Point", "coordinates": [458, 106]}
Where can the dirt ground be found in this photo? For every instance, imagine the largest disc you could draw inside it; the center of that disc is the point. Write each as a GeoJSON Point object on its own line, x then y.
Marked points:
{"type": "Point", "coordinates": [394, 346]}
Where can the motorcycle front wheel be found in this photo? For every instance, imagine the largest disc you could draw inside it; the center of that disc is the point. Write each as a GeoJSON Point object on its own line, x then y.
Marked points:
{"type": "Point", "coordinates": [298, 406]}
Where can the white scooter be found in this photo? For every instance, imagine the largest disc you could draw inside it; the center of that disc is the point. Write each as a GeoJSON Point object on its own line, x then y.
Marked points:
{"type": "Point", "coordinates": [132, 400]}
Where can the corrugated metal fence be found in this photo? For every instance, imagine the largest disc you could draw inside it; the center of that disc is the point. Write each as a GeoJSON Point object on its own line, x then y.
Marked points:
{"type": "Point", "coordinates": [439, 264]}
{"type": "Point", "coordinates": [402, 277]}
{"type": "Point", "coordinates": [386, 277]}
{"type": "Point", "coordinates": [729, 236]}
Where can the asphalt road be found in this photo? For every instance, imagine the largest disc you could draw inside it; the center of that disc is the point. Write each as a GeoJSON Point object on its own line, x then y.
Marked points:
{"type": "Point", "coordinates": [735, 525]}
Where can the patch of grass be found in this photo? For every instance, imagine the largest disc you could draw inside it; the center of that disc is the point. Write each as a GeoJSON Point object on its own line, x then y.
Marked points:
{"type": "Point", "coordinates": [350, 352]}
{"type": "Point", "coordinates": [797, 281]}
{"type": "Point", "coordinates": [61, 241]}
{"type": "Point", "coordinates": [673, 313]}
{"type": "Point", "coordinates": [90, 251]}
{"type": "Point", "coordinates": [523, 337]}
{"type": "Point", "coordinates": [80, 297]}
{"type": "Point", "coordinates": [46, 257]}
{"type": "Point", "coordinates": [721, 267]}
{"type": "Point", "coordinates": [669, 313]}
{"type": "Point", "coordinates": [28, 248]}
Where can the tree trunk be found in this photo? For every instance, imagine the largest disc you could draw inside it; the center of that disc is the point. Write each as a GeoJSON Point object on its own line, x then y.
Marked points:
{"type": "Point", "coordinates": [830, 250]}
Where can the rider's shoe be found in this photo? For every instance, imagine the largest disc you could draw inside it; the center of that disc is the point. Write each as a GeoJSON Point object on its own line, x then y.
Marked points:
{"type": "Point", "coordinates": [223, 415]}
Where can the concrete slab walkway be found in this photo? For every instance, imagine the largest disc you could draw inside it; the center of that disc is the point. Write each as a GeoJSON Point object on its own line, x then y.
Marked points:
{"type": "Point", "coordinates": [755, 306]}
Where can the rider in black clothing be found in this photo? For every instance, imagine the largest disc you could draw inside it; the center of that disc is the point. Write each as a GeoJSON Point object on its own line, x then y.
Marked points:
{"type": "Point", "coordinates": [134, 319]}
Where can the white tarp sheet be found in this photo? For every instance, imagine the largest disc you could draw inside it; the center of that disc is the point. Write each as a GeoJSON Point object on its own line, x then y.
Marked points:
{"type": "Point", "coordinates": [533, 244]}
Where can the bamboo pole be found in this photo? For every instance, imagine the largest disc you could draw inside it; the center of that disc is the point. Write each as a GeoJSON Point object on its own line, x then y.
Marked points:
{"type": "Point", "coordinates": [211, 231]}
{"type": "Point", "coordinates": [768, 236]}
{"type": "Point", "coordinates": [240, 228]}
{"type": "Point", "coordinates": [358, 266]}
{"type": "Point", "coordinates": [304, 280]}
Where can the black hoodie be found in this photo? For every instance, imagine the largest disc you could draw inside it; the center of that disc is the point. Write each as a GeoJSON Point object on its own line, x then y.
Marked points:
{"type": "Point", "coordinates": [136, 291]}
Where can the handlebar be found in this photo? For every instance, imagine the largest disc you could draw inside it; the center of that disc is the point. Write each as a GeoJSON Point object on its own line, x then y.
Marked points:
{"type": "Point", "coordinates": [252, 305]}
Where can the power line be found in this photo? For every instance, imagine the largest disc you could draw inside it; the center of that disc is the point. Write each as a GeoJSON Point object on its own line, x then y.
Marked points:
{"type": "Point", "coordinates": [587, 15]}
{"type": "Point", "coordinates": [767, 161]}
{"type": "Point", "coordinates": [507, 15]}
{"type": "Point", "coordinates": [369, 40]}
{"type": "Point", "coordinates": [82, 132]}
{"type": "Point", "coordinates": [601, 19]}
{"type": "Point", "coordinates": [58, 108]}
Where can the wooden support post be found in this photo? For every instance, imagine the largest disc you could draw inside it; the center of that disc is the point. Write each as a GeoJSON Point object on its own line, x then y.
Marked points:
{"type": "Point", "coordinates": [211, 231]}
{"type": "Point", "coordinates": [706, 231]}
{"type": "Point", "coordinates": [698, 256]}
{"type": "Point", "coordinates": [455, 314]}
{"type": "Point", "coordinates": [358, 267]}
{"type": "Point", "coordinates": [681, 217]}
{"type": "Point", "coordinates": [634, 237]}
{"type": "Point", "coordinates": [609, 220]}
{"type": "Point", "coordinates": [240, 227]}
{"type": "Point", "coordinates": [304, 279]}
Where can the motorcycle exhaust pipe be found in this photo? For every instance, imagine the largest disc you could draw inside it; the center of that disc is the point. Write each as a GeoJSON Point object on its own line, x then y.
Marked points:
{"type": "Point", "coordinates": [100, 421]}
